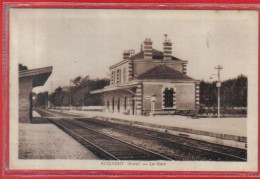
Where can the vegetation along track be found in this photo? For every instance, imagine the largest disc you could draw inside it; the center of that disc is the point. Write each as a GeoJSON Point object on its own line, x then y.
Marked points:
{"type": "Point", "coordinates": [208, 151]}
{"type": "Point", "coordinates": [104, 146]}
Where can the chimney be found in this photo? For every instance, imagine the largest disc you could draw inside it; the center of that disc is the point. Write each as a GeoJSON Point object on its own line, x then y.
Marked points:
{"type": "Point", "coordinates": [148, 54]}
{"type": "Point", "coordinates": [167, 49]}
{"type": "Point", "coordinates": [184, 68]}
{"type": "Point", "coordinates": [126, 55]}
{"type": "Point", "coordinates": [131, 52]}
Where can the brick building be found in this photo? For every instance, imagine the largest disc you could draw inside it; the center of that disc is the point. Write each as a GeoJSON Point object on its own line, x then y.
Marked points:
{"type": "Point", "coordinates": [150, 81]}
{"type": "Point", "coordinates": [28, 79]}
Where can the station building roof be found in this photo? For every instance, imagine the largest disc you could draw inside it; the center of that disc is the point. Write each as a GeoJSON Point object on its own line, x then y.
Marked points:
{"type": "Point", "coordinates": [113, 88]}
{"type": "Point", "coordinates": [164, 72]}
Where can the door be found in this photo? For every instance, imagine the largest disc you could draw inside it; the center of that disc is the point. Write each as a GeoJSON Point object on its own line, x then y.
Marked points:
{"type": "Point", "coordinates": [133, 107]}
{"type": "Point", "coordinates": [113, 105]}
{"type": "Point", "coordinates": [118, 105]}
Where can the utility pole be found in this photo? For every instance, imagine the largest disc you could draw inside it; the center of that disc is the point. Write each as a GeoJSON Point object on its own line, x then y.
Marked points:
{"type": "Point", "coordinates": [219, 85]}
{"type": "Point", "coordinates": [51, 92]}
{"type": "Point", "coordinates": [70, 95]}
{"type": "Point", "coordinates": [51, 87]}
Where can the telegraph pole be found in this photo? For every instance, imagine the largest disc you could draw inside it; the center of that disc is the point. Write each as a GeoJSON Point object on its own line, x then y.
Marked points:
{"type": "Point", "coordinates": [219, 85]}
{"type": "Point", "coordinates": [70, 95]}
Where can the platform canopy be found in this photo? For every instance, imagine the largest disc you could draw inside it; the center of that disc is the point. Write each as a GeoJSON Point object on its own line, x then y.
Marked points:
{"type": "Point", "coordinates": [39, 76]}
{"type": "Point", "coordinates": [126, 87]}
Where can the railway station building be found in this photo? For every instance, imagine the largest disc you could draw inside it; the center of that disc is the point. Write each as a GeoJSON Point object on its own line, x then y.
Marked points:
{"type": "Point", "coordinates": [150, 81]}
{"type": "Point", "coordinates": [28, 79]}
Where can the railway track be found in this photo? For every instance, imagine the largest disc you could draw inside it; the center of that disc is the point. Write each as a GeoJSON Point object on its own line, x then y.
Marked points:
{"type": "Point", "coordinates": [207, 150]}
{"type": "Point", "coordinates": [105, 146]}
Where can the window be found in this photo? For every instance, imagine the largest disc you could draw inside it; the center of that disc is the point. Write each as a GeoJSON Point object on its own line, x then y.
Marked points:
{"type": "Point", "coordinates": [107, 104]}
{"type": "Point", "coordinates": [113, 104]}
{"type": "Point", "coordinates": [118, 105]}
{"type": "Point", "coordinates": [112, 81]}
{"type": "Point", "coordinates": [168, 97]}
{"type": "Point", "coordinates": [124, 75]}
{"type": "Point", "coordinates": [133, 107]}
{"type": "Point", "coordinates": [125, 102]}
{"type": "Point", "coordinates": [118, 77]}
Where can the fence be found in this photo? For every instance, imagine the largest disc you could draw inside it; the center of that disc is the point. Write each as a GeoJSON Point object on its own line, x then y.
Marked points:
{"type": "Point", "coordinates": [80, 108]}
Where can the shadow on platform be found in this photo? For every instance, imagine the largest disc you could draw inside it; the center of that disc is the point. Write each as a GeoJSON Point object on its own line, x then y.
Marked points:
{"type": "Point", "coordinates": [39, 120]}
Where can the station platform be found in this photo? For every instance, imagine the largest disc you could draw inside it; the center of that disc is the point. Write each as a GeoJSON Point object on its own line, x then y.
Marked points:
{"type": "Point", "coordinates": [224, 131]}
{"type": "Point", "coordinates": [43, 140]}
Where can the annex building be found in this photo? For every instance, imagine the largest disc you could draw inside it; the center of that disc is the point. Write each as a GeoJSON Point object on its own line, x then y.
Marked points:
{"type": "Point", "coordinates": [28, 79]}
{"type": "Point", "coordinates": [150, 81]}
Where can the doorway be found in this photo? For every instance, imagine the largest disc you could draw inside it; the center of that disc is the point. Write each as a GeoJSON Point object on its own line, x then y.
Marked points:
{"type": "Point", "coordinates": [133, 106]}
{"type": "Point", "coordinates": [118, 105]}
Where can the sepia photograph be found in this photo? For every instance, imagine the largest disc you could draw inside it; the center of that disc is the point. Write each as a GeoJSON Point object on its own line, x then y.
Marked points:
{"type": "Point", "coordinates": [133, 89]}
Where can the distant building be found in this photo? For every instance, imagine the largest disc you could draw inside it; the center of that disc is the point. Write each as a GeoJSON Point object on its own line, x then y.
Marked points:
{"type": "Point", "coordinates": [150, 81]}
{"type": "Point", "coordinates": [28, 79]}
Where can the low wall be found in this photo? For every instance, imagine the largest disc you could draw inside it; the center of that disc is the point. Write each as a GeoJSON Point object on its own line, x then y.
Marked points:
{"type": "Point", "coordinates": [216, 138]}
{"type": "Point", "coordinates": [80, 108]}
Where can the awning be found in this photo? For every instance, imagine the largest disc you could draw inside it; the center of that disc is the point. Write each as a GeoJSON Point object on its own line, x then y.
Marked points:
{"type": "Point", "coordinates": [39, 76]}
{"type": "Point", "coordinates": [113, 88]}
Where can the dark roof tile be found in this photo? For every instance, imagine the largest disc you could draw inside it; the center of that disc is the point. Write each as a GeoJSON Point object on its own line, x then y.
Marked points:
{"type": "Point", "coordinates": [164, 72]}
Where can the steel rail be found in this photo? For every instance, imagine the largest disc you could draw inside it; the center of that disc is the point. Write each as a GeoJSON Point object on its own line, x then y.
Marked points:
{"type": "Point", "coordinates": [85, 140]}
{"type": "Point", "coordinates": [109, 124]}
{"type": "Point", "coordinates": [131, 145]}
{"type": "Point", "coordinates": [167, 140]}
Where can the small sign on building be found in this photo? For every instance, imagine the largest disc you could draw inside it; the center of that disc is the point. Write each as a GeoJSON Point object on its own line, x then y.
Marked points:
{"type": "Point", "coordinates": [218, 84]}
{"type": "Point", "coordinates": [153, 98]}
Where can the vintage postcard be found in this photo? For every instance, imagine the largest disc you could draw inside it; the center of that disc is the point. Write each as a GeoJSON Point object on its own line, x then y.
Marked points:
{"type": "Point", "coordinates": [133, 89]}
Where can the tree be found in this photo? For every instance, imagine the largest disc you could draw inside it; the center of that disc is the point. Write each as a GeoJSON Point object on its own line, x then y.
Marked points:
{"type": "Point", "coordinates": [57, 97]}
{"type": "Point", "coordinates": [80, 94]}
{"type": "Point", "coordinates": [233, 93]}
{"type": "Point", "coordinates": [41, 99]}
{"type": "Point", "coordinates": [77, 80]}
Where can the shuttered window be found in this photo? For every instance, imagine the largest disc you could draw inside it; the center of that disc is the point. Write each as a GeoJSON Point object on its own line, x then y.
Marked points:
{"type": "Point", "coordinates": [168, 97]}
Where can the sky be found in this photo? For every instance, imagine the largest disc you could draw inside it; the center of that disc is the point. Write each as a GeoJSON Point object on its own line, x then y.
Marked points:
{"type": "Point", "coordinates": [87, 41]}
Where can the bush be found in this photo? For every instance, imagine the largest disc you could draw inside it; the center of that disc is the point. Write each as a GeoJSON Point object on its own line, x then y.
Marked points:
{"type": "Point", "coordinates": [223, 110]}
